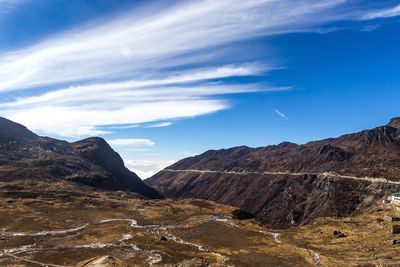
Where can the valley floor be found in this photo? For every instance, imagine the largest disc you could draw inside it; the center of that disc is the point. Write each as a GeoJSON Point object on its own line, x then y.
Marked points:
{"type": "Point", "coordinates": [56, 223]}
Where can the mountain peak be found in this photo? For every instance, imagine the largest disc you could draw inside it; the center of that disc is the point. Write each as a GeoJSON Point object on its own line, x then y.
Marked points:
{"type": "Point", "coordinates": [97, 150]}
{"type": "Point", "coordinates": [395, 122]}
{"type": "Point", "coordinates": [91, 161]}
{"type": "Point", "coordinates": [12, 130]}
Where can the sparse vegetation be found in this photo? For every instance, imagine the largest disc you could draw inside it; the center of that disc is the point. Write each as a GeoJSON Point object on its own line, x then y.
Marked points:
{"type": "Point", "coordinates": [63, 223]}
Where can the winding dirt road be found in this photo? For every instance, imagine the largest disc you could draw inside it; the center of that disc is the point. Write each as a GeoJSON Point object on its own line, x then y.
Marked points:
{"type": "Point", "coordinates": [322, 174]}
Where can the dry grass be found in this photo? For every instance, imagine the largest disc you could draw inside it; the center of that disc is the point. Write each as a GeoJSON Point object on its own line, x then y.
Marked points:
{"type": "Point", "coordinates": [61, 206]}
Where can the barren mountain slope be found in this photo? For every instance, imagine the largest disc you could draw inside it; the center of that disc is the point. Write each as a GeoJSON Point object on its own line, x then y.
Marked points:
{"type": "Point", "coordinates": [289, 183]}
{"type": "Point", "coordinates": [24, 155]}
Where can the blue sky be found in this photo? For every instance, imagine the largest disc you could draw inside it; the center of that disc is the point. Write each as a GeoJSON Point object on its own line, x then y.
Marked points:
{"type": "Point", "coordinates": [163, 80]}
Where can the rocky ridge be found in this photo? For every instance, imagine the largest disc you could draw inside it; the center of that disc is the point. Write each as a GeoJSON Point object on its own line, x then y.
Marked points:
{"type": "Point", "coordinates": [25, 155]}
{"type": "Point", "coordinates": [289, 183]}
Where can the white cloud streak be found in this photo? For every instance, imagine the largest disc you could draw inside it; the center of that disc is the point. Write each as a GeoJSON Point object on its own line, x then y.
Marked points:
{"type": "Point", "coordinates": [281, 114]}
{"type": "Point", "coordinates": [383, 13]}
{"type": "Point", "coordinates": [106, 90]}
{"type": "Point", "coordinates": [135, 43]}
{"type": "Point", "coordinates": [118, 73]}
{"type": "Point", "coordinates": [126, 103]}
{"type": "Point", "coordinates": [129, 142]}
{"type": "Point", "coordinates": [160, 124]}
{"type": "Point", "coordinates": [130, 126]}
{"type": "Point", "coordinates": [80, 121]}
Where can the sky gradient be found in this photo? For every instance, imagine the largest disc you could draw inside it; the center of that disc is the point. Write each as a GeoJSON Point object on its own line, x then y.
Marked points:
{"type": "Point", "coordinates": [163, 80]}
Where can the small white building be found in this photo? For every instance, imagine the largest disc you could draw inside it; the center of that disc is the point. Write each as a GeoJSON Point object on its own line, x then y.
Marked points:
{"type": "Point", "coordinates": [396, 198]}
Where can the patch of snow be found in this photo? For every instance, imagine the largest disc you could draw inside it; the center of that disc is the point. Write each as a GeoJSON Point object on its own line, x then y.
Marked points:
{"type": "Point", "coordinates": [96, 245]}
{"type": "Point", "coordinates": [277, 237]}
{"type": "Point", "coordinates": [154, 258]}
{"type": "Point", "coordinates": [18, 250]}
{"type": "Point", "coordinates": [51, 232]}
{"type": "Point", "coordinates": [125, 237]}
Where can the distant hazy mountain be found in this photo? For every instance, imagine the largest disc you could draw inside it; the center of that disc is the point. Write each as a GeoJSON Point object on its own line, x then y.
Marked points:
{"type": "Point", "coordinates": [25, 155]}
{"type": "Point", "coordinates": [290, 183]}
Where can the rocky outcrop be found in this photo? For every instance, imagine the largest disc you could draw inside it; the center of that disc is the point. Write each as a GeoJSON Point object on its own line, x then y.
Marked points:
{"type": "Point", "coordinates": [395, 123]}
{"type": "Point", "coordinates": [24, 155]}
{"type": "Point", "coordinates": [287, 183]}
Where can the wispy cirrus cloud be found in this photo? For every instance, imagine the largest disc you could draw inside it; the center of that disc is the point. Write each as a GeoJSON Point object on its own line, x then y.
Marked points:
{"type": "Point", "coordinates": [8, 5]}
{"type": "Point", "coordinates": [134, 44]}
{"type": "Point", "coordinates": [127, 103]}
{"type": "Point", "coordinates": [87, 92]}
{"type": "Point", "coordinates": [160, 124]}
{"type": "Point", "coordinates": [383, 13]}
{"type": "Point", "coordinates": [130, 142]}
{"type": "Point", "coordinates": [128, 71]}
{"type": "Point", "coordinates": [281, 114]}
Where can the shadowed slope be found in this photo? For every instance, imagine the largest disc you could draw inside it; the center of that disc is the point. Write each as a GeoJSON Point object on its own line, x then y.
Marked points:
{"type": "Point", "coordinates": [24, 155]}
{"type": "Point", "coordinates": [98, 151]}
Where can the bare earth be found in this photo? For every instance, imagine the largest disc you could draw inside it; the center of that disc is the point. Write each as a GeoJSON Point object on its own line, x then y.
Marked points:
{"type": "Point", "coordinates": [56, 223]}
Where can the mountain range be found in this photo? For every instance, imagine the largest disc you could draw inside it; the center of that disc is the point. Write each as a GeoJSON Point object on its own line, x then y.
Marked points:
{"type": "Point", "coordinates": [289, 183]}
{"type": "Point", "coordinates": [75, 204]}
{"type": "Point", "coordinates": [284, 184]}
